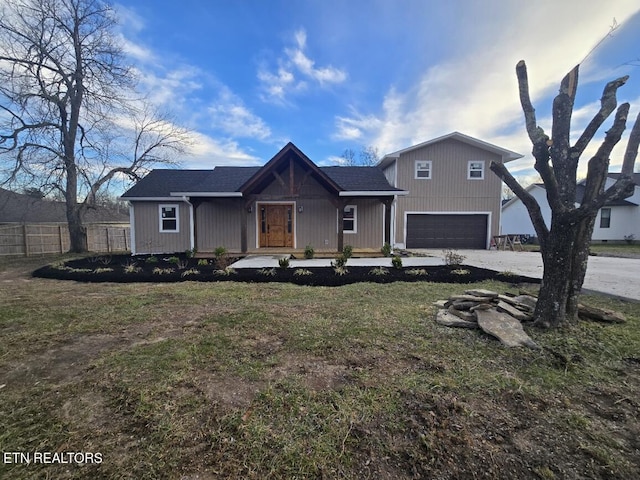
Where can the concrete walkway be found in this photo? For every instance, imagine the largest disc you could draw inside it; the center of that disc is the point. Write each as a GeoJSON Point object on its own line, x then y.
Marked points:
{"type": "Point", "coordinates": [615, 276]}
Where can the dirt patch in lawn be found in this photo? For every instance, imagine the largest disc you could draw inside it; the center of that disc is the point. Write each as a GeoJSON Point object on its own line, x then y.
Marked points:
{"type": "Point", "coordinates": [125, 269]}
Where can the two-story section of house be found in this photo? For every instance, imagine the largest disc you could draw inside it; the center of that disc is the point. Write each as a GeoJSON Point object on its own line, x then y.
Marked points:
{"type": "Point", "coordinates": [453, 200]}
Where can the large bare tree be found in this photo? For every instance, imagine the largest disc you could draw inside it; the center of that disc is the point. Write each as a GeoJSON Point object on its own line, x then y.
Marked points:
{"type": "Point", "coordinates": [66, 101]}
{"type": "Point", "coordinates": [565, 243]}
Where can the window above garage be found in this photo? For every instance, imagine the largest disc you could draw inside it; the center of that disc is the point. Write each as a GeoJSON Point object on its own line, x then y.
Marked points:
{"type": "Point", "coordinates": [475, 170]}
{"type": "Point", "coordinates": [422, 170]}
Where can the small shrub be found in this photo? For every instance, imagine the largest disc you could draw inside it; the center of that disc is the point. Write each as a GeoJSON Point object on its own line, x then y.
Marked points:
{"type": "Point", "coordinates": [152, 259]}
{"type": "Point", "coordinates": [309, 252]}
{"type": "Point", "coordinates": [106, 260]}
{"type": "Point", "coordinates": [191, 271]}
{"type": "Point", "coordinates": [396, 261]}
{"type": "Point", "coordinates": [226, 271]}
{"type": "Point", "coordinates": [340, 261]}
{"type": "Point", "coordinates": [222, 261]}
{"type": "Point", "coordinates": [451, 257]}
{"type": "Point", "coordinates": [386, 249]}
{"type": "Point", "coordinates": [103, 270]}
{"type": "Point", "coordinates": [203, 262]}
{"type": "Point", "coordinates": [378, 271]}
{"type": "Point", "coordinates": [174, 260]}
{"type": "Point", "coordinates": [461, 271]}
{"type": "Point", "coordinates": [163, 271]}
{"type": "Point", "coordinates": [268, 272]}
{"type": "Point", "coordinates": [302, 272]}
{"type": "Point", "coordinates": [190, 252]}
{"type": "Point", "coordinates": [283, 263]}
{"type": "Point", "coordinates": [347, 251]}
{"type": "Point", "coordinates": [340, 270]}
{"type": "Point", "coordinates": [132, 268]}
{"type": "Point", "coordinates": [417, 272]}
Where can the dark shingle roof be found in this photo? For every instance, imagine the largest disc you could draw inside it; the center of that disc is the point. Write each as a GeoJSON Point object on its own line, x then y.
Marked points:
{"type": "Point", "coordinates": [370, 179]}
{"type": "Point", "coordinates": [161, 183]}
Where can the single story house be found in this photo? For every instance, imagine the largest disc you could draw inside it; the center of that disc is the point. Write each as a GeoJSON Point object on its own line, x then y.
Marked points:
{"type": "Point", "coordinates": [289, 202]}
{"type": "Point", "coordinates": [616, 221]}
{"type": "Point", "coordinates": [438, 194]}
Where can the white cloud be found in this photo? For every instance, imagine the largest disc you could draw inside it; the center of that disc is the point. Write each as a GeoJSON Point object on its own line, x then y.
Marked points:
{"type": "Point", "coordinates": [475, 92]}
{"type": "Point", "coordinates": [295, 70]}
{"type": "Point", "coordinates": [229, 115]}
{"type": "Point", "coordinates": [207, 152]}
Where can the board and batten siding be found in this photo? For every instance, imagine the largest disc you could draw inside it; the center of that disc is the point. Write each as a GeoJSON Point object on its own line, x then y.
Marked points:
{"type": "Point", "coordinates": [448, 189]}
{"type": "Point", "coordinates": [218, 224]}
{"type": "Point", "coordinates": [146, 228]}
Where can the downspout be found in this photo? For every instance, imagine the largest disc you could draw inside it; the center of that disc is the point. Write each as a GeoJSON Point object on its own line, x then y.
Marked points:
{"type": "Point", "coordinates": [132, 228]}
{"type": "Point", "coordinates": [192, 235]}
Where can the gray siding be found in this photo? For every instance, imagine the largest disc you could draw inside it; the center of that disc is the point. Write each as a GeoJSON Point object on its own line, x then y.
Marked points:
{"type": "Point", "coordinates": [448, 189]}
{"type": "Point", "coordinates": [149, 239]}
{"type": "Point", "coordinates": [218, 224]}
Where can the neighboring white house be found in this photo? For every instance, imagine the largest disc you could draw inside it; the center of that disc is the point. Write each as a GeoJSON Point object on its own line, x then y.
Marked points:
{"type": "Point", "coordinates": [615, 222]}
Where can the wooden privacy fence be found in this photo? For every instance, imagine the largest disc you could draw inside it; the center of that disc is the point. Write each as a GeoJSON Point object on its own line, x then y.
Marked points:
{"type": "Point", "coordinates": [41, 239]}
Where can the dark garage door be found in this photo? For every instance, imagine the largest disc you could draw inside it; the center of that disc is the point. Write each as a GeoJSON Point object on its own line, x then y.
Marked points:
{"type": "Point", "coordinates": [446, 231]}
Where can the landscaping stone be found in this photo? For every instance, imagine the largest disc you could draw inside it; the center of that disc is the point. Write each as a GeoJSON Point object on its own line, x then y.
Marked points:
{"type": "Point", "coordinates": [505, 328]}
{"type": "Point", "coordinates": [443, 317]}
{"type": "Point", "coordinates": [463, 314]}
{"type": "Point", "coordinates": [513, 311]}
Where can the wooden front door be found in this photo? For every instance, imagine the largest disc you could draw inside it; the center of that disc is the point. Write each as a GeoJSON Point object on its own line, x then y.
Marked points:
{"type": "Point", "coordinates": [276, 225]}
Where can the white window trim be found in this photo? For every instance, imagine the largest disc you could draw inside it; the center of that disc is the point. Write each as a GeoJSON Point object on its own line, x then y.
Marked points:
{"type": "Point", "coordinates": [471, 162]}
{"type": "Point", "coordinates": [603, 218]}
{"type": "Point", "coordinates": [415, 169]}
{"type": "Point", "coordinates": [169, 205]}
{"type": "Point", "coordinates": [355, 219]}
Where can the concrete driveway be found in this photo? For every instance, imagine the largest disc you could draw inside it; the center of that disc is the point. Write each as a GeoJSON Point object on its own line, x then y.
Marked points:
{"type": "Point", "coordinates": [615, 276]}
{"type": "Point", "coordinates": [611, 275]}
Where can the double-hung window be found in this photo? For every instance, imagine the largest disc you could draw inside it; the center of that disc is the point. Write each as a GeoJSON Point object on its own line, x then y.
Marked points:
{"type": "Point", "coordinates": [605, 218]}
{"type": "Point", "coordinates": [423, 170]}
{"type": "Point", "coordinates": [169, 218]}
{"type": "Point", "coordinates": [475, 170]}
{"type": "Point", "coordinates": [350, 219]}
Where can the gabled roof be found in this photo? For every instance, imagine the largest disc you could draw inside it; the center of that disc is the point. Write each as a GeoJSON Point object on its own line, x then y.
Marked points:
{"type": "Point", "coordinates": [21, 208]}
{"type": "Point", "coordinates": [635, 177]}
{"type": "Point", "coordinates": [507, 155]}
{"type": "Point", "coordinates": [227, 181]}
{"type": "Point", "coordinates": [290, 153]}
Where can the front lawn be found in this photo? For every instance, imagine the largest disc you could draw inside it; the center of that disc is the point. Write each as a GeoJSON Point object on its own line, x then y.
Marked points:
{"type": "Point", "coordinates": [196, 380]}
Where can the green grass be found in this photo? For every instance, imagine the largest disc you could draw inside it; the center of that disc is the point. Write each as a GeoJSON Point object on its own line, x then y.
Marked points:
{"type": "Point", "coordinates": [225, 380]}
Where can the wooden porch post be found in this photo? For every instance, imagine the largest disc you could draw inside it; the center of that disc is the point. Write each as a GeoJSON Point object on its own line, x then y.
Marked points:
{"type": "Point", "coordinates": [341, 204]}
{"type": "Point", "coordinates": [243, 228]}
{"type": "Point", "coordinates": [387, 219]}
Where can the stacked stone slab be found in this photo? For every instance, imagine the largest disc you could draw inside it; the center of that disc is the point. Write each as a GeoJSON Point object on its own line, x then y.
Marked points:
{"type": "Point", "coordinates": [498, 315]}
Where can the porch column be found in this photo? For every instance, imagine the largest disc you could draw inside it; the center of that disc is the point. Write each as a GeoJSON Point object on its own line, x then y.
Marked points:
{"type": "Point", "coordinates": [341, 204]}
{"type": "Point", "coordinates": [387, 219]}
{"type": "Point", "coordinates": [243, 227]}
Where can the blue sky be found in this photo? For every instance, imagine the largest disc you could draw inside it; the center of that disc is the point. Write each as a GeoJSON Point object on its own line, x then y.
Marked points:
{"type": "Point", "coordinates": [249, 76]}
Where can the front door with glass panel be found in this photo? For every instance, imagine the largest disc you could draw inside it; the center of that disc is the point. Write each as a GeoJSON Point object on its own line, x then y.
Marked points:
{"type": "Point", "coordinates": [276, 225]}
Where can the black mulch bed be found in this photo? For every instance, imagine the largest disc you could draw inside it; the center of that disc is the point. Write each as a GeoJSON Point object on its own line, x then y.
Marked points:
{"type": "Point", "coordinates": [126, 269]}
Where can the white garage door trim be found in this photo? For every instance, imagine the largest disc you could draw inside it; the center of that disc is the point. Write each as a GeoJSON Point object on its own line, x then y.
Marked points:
{"type": "Point", "coordinates": [488, 214]}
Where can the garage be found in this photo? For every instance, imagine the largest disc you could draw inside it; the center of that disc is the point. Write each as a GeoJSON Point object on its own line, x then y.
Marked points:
{"type": "Point", "coordinates": [447, 230]}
